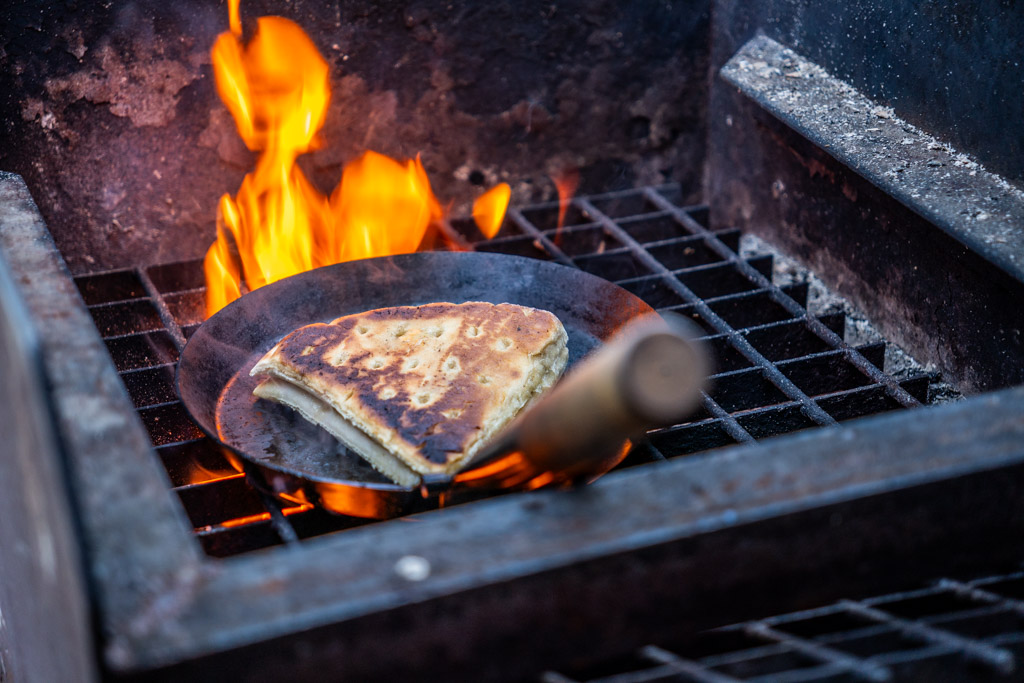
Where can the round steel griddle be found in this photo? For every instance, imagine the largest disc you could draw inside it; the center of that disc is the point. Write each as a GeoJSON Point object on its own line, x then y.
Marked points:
{"type": "Point", "coordinates": [289, 457]}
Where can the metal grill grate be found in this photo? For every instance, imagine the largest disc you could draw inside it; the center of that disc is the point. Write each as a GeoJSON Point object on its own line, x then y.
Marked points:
{"type": "Point", "coordinates": [952, 631]}
{"type": "Point", "coordinates": [780, 369]}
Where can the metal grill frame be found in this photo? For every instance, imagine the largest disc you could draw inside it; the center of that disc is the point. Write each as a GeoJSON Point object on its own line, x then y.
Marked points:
{"type": "Point", "coordinates": [749, 531]}
{"type": "Point", "coordinates": [145, 315]}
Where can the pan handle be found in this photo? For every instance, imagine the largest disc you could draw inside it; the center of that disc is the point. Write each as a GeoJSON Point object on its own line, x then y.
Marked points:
{"type": "Point", "coordinates": [650, 375]}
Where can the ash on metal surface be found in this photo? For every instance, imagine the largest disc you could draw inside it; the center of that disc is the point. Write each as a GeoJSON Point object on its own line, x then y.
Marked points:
{"type": "Point", "coordinates": [859, 330]}
{"type": "Point", "coordinates": [983, 210]}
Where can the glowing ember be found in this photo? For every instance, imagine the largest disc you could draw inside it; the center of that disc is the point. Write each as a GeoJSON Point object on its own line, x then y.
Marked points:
{"type": "Point", "coordinates": [261, 517]}
{"type": "Point", "coordinates": [276, 88]}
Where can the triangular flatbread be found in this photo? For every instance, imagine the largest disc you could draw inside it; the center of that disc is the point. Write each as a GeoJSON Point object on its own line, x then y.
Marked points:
{"type": "Point", "coordinates": [417, 389]}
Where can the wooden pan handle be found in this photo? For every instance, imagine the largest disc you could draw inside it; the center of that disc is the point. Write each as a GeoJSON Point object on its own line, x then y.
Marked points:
{"type": "Point", "coordinates": [649, 376]}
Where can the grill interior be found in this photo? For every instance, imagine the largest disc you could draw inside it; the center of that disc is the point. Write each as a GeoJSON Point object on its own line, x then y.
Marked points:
{"type": "Point", "coordinates": [779, 368]}
{"type": "Point", "coordinates": [951, 630]}
{"type": "Point", "coordinates": [854, 154]}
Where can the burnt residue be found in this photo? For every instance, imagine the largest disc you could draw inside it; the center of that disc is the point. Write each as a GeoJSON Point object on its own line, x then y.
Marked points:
{"type": "Point", "coordinates": [126, 147]}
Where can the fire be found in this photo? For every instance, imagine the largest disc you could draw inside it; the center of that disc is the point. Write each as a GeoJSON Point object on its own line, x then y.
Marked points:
{"type": "Point", "coordinates": [376, 196]}
{"type": "Point", "coordinates": [489, 209]}
{"type": "Point", "coordinates": [276, 86]}
{"type": "Point", "coordinates": [566, 181]}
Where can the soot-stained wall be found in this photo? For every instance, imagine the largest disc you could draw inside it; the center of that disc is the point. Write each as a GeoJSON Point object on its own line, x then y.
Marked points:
{"type": "Point", "coordinates": [109, 109]}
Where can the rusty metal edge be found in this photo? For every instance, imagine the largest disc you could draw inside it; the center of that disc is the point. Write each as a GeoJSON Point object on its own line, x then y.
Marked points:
{"type": "Point", "coordinates": [136, 539]}
{"type": "Point", "coordinates": [42, 563]}
{"type": "Point", "coordinates": [161, 601]}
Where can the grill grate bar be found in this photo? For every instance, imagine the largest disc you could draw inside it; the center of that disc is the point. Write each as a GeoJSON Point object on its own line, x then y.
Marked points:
{"type": "Point", "coordinates": [555, 677]}
{"type": "Point", "coordinates": [1018, 576]}
{"type": "Point", "coordinates": [694, 670]}
{"type": "Point", "coordinates": [861, 669]}
{"type": "Point", "coordinates": [825, 673]}
{"type": "Point", "coordinates": [774, 375]}
{"type": "Point", "coordinates": [997, 658]}
{"type": "Point", "coordinates": [530, 229]}
{"type": "Point", "coordinates": [731, 425]}
{"type": "Point", "coordinates": [852, 355]}
{"type": "Point", "coordinates": [170, 324]}
{"type": "Point", "coordinates": [667, 672]}
{"type": "Point", "coordinates": [280, 523]}
{"type": "Point", "coordinates": [981, 595]}
{"type": "Point", "coordinates": [163, 404]}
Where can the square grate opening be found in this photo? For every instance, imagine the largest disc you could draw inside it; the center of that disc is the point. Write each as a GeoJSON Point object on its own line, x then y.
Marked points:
{"type": "Point", "coordinates": [780, 366]}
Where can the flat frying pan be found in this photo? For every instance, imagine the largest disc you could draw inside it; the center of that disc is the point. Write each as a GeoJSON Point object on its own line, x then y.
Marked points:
{"type": "Point", "coordinates": [291, 458]}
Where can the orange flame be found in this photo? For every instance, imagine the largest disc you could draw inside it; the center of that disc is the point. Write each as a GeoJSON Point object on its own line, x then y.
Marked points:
{"type": "Point", "coordinates": [489, 209]}
{"type": "Point", "coordinates": [566, 181]}
{"type": "Point", "coordinates": [234, 19]}
{"type": "Point", "coordinates": [223, 277]}
{"type": "Point", "coordinates": [276, 88]}
{"type": "Point", "coordinates": [376, 195]}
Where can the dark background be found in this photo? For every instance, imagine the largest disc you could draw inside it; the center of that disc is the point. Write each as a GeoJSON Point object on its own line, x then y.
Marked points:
{"type": "Point", "coordinates": [111, 116]}
{"type": "Point", "coordinates": [109, 111]}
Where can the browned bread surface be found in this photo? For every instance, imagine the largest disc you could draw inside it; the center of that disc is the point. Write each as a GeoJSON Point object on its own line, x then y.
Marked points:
{"type": "Point", "coordinates": [430, 383]}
